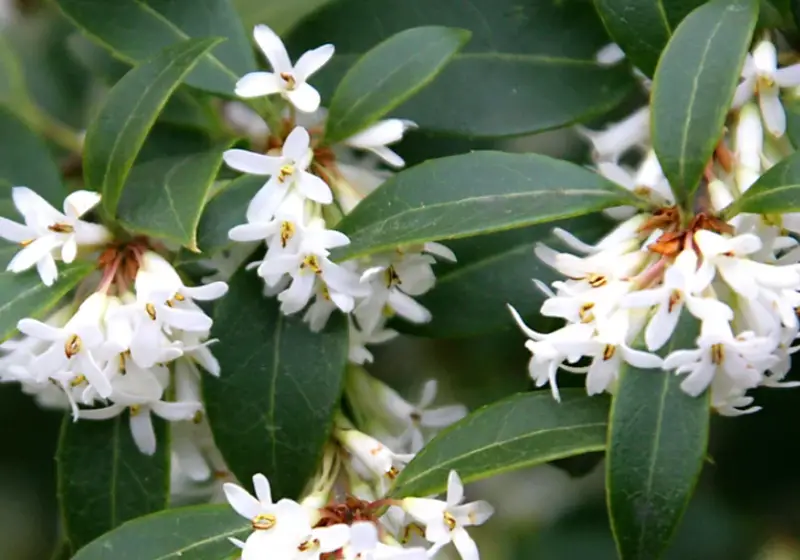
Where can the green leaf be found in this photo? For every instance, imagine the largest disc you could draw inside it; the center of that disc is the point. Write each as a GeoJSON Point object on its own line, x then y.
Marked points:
{"type": "Point", "coordinates": [117, 133]}
{"type": "Point", "coordinates": [521, 431]}
{"type": "Point", "coordinates": [13, 90]}
{"type": "Point", "coordinates": [530, 66]}
{"type": "Point", "coordinates": [493, 270]}
{"type": "Point", "coordinates": [776, 192]}
{"type": "Point", "coordinates": [279, 14]}
{"type": "Point", "coordinates": [225, 210]}
{"type": "Point", "coordinates": [656, 446]}
{"type": "Point", "coordinates": [196, 533]}
{"type": "Point", "coordinates": [24, 295]}
{"type": "Point", "coordinates": [136, 30]}
{"type": "Point", "coordinates": [25, 161]}
{"type": "Point", "coordinates": [103, 478]}
{"type": "Point", "coordinates": [474, 194]}
{"type": "Point", "coordinates": [694, 85]}
{"type": "Point", "coordinates": [272, 407]}
{"type": "Point", "coordinates": [388, 75]}
{"type": "Point", "coordinates": [164, 197]}
{"type": "Point", "coordinates": [643, 27]}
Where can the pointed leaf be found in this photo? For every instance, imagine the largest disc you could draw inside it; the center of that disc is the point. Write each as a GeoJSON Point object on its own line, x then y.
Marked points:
{"type": "Point", "coordinates": [776, 192]}
{"type": "Point", "coordinates": [521, 431]}
{"type": "Point", "coordinates": [24, 295]}
{"type": "Point", "coordinates": [389, 74]}
{"type": "Point", "coordinates": [694, 85]}
{"type": "Point", "coordinates": [103, 478]}
{"type": "Point", "coordinates": [474, 194]}
{"type": "Point", "coordinates": [164, 197]}
{"type": "Point", "coordinates": [117, 133]}
{"type": "Point", "coordinates": [529, 66]}
{"type": "Point", "coordinates": [196, 532]}
{"type": "Point", "coordinates": [135, 30]}
{"type": "Point", "coordinates": [470, 296]}
{"type": "Point", "coordinates": [656, 446]}
{"type": "Point", "coordinates": [272, 407]}
{"type": "Point", "coordinates": [225, 210]}
{"type": "Point", "coordinates": [643, 27]}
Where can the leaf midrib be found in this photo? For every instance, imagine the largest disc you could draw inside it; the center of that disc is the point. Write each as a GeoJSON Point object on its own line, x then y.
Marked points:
{"type": "Point", "coordinates": [506, 56]}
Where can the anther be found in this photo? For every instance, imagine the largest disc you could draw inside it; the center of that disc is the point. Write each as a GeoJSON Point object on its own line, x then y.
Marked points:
{"type": "Point", "coordinates": [717, 354]}
{"type": "Point", "coordinates": [61, 228]}
{"type": "Point", "coordinates": [72, 346]}
{"type": "Point", "coordinates": [449, 520]}
{"type": "Point", "coordinates": [151, 310]}
{"type": "Point", "coordinates": [608, 351]}
{"type": "Point", "coordinates": [263, 522]}
{"type": "Point", "coordinates": [287, 77]}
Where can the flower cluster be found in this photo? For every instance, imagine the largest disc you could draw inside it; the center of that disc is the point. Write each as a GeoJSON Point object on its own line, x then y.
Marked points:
{"type": "Point", "coordinates": [112, 351]}
{"type": "Point", "coordinates": [681, 289]}
{"type": "Point", "coordinates": [309, 184]}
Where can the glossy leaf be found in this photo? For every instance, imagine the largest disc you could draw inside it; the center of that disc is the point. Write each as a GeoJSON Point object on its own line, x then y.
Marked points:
{"type": "Point", "coordinates": [389, 74]}
{"type": "Point", "coordinates": [271, 409]}
{"type": "Point", "coordinates": [103, 478]}
{"type": "Point", "coordinates": [164, 197]}
{"type": "Point", "coordinates": [117, 133]}
{"type": "Point", "coordinates": [529, 66]}
{"type": "Point", "coordinates": [196, 532]}
{"type": "Point", "coordinates": [657, 443]}
{"type": "Point", "coordinates": [474, 194]}
{"type": "Point", "coordinates": [521, 431]}
{"type": "Point", "coordinates": [135, 30]}
{"type": "Point", "coordinates": [493, 270]}
{"type": "Point", "coordinates": [776, 191]}
{"type": "Point", "coordinates": [694, 85]}
{"type": "Point", "coordinates": [643, 27]}
{"type": "Point", "coordinates": [225, 210]}
{"type": "Point", "coordinates": [26, 161]}
{"type": "Point", "coordinates": [13, 90]}
{"type": "Point", "coordinates": [24, 295]}
{"type": "Point", "coordinates": [280, 15]}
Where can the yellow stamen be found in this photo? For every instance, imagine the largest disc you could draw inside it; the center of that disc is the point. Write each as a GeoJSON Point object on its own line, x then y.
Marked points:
{"type": "Point", "coordinates": [178, 297]}
{"type": "Point", "coordinates": [77, 380]}
{"type": "Point", "coordinates": [312, 264]}
{"type": "Point", "coordinates": [264, 522]}
{"type": "Point", "coordinates": [61, 228]}
{"type": "Point", "coordinates": [287, 77]}
{"type": "Point", "coordinates": [285, 172]}
{"type": "Point", "coordinates": [585, 313]}
{"type": "Point", "coordinates": [596, 280]}
{"type": "Point", "coordinates": [72, 346]}
{"type": "Point", "coordinates": [609, 351]}
{"type": "Point", "coordinates": [674, 299]}
{"type": "Point", "coordinates": [449, 520]}
{"type": "Point", "coordinates": [717, 354]}
{"type": "Point", "coordinates": [392, 278]}
{"type": "Point", "coordinates": [287, 232]}
{"type": "Point", "coordinates": [135, 409]}
{"type": "Point", "coordinates": [312, 544]}
{"type": "Point", "coordinates": [26, 242]}
{"type": "Point", "coordinates": [151, 310]}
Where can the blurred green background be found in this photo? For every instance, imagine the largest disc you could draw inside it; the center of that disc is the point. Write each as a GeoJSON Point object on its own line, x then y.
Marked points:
{"type": "Point", "coordinates": [748, 502]}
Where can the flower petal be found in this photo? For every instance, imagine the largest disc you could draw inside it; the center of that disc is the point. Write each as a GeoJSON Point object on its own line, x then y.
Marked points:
{"type": "Point", "coordinates": [258, 84]}
{"type": "Point", "coordinates": [314, 188]}
{"type": "Point", "coordinates": [80, 202]}
{"type": "Point", "coordinates": [262, 488]}
{"type": "Point", "coordinates": [311, 61]}
{"type": "Point", "coordinates": [455, 489]}
{"type": "Point", "coordinates": [466, 547]}
{"type": "Point", "coordinates": [48, 272]}
{"type": "Point", "coordinates": [251, 162]}
{"type": "Point", "coordinates": [272, 47]}
{"type": "Point", "coordinates": [241, 501]}
{"type": "Point", "coordinates": [304, 97]}
{"type": "Point", "coordinates": [142, 431]}
{"type": "Point", "coordinates": [33, 253]}
{"type": "Point", "coordinates": [14, 232]}
{"type": "Point", "coordinates": [772, 111]}
{"type": "Point", "coordinates": [296, 145]}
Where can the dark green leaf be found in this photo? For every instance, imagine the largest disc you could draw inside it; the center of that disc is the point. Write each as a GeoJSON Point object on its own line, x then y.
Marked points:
{"type": "Point", "coordinates": [470, 296]}
{"type": "Point", "coordinates": [388, 75]}
{"type": "Point", "coordinates": [135, 30]}
{"type": "Point", "coordinates": [189, 533]}
{"type": "Point", "coordinates": [164, 197]}
{"type": "Point", "coordinates": [225, 210]}
{"type": "Point", "coordinates": [271, 409]}
{"type": "Point", "coordinates": [643, 27]}
{"type": "Point", "coordinates": [776, 191]}
{"type": "Point", "coordinates": [103, 478]}
{"type": "Point", "coordinates": [25, 161]}
{"type": "Point", "coordinates": [24, 295]}
{"type": "Point", "coordinates": [117, 133]}
{"type": "Point", "coordinates": [279, 14]}
{"type": "Point", "coordinates": [693, 88]}
{"type": "Point", "coordinates": [474, 194]}
{"type": "Point", "coordinates": [792, 107]}
{"type": "Point", "coordinates": [13, 91]}
{"type": "Point", "coordinates": [657, 443]}
{"type": "Point", "coordinates": [529, 66]}
{"type": "Point", "coordinates": [521, 431]}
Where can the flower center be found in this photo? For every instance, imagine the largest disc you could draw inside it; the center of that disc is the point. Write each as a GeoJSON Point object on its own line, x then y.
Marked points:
{"type": "Point", "coordinates": [285, 172]}
{"type": "Point", "coordinates": [287, 232]}
{"type": "Point", "coordinates": [72, 346]}
{"type": "Point", "coordinates": [585, 313]}
{"type": "Point", "coordinates": [717, 354]}
{"type": "Point", "coordinates": [765, 82]}
{"type": "Point", "coordinates": [596, 280]}
{"type": "Point", "coordinates": [392, 278]}
{"type": "Point", "coordinates": [312, 264]}
{"type": "Point", "coordinates": [289, 79]}
{"type": "Point", "coordinates": [609, 351]}
{"type": "Point", "coordinates": [61, 228]}
{"type": "Point", "coordinates": [135, 409]}
{"type": "Point", "coordinates": [449, 520]}
{"type": "Point", "coordinates": [77, 380]}
{"type": "Point", "coordinates": [264, 522]}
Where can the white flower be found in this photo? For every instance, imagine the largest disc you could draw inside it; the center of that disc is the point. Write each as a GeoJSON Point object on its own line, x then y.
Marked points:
{"type": "Point", "coordinates": [364, 545]}
{"type": "Point", "coordinates": [749, 136]}
{"type": "Point", "coordinates": [445, 521]}
{"type": "Point", "coordinates": [761, 75]}
{"type": "Point", "coordinates": [73, 346]}
{"type": "Point", "coordinates": [379, 461]}
{"type": "Point", "coordinates": [286, 171]}
{"type": "Point", "coordinates": [287, 80]}
{"type": "Point", "coordinates": [314, 542]}
{"type": "Point", "coordinates": [618, 138]}
{"type": "Point", "coordinates": [278, 229]}
{"type": "Point", "coordinates": [46, 229]}
{"type": "Point", "coordinates": [377, 137]}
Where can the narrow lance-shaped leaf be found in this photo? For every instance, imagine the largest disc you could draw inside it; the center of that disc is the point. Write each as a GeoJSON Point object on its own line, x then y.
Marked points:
{"type": "Point", "coordinates": [470, 296]}
{"type": "Point", "coordinates": [643, 27]}
{"type": "Point", "coordinates": [656, 446]}
{"type": "Point", "coordinates": [135, 30]}
{"type": "Point", "coordinates": [164, 197]}
{"type": "Point", "coordinates": [197, 532]}
{"type": "Point", "coordinates": [105, 480]}
{"type": "Point", "coordinates": [529, 66]}
{"type": "Point", "coordinates": [389, 74]}
{"type": "Point", "coordinates": [272, 407]}
{"type": "Point", "coordinates": [117, 133]}
{"type": "Point", "coordinates": [24, 295]}
{"type": "Point", "coordinates": [521, 431]}
{"type": "Point", "coordinates": [694, 85]}
{"type": "Point", "coordinates": [776, 191]}
{"type": "Point", "coordinates": [474, 194]}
